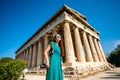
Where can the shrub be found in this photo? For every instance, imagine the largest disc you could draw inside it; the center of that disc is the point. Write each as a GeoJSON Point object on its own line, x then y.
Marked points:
{"type": "Point", "coordinates": [11, 69]}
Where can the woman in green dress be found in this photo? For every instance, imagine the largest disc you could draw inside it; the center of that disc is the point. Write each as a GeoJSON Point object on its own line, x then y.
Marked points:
{"type": "Point", "coordinates": [53, 62]}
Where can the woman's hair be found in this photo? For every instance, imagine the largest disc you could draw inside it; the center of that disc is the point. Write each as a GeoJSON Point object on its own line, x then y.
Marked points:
{"type": "Point", "coordinates": [55, 36]}
{"type": "Point", "coordinates": [60, 43]}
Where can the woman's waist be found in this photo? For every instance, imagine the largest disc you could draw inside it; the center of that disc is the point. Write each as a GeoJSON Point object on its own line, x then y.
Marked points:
{"type": "Point", "coordinates": [55, 54]}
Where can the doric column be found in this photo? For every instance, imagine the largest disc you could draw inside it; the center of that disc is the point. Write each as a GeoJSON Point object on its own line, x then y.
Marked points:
{"type": "Point", "coordinates": [20, 56]}
{"type": "Point", "coordinates": [102, 52]}
{"type": "Point", "coordinates": [27, 55]}
{"type": "Point", "coordinates": [30, 55]}
{"type": "Point", "coordinates": [87, 48]}
{"type": "Point", "coordinates": [98, 50]}
{"type": "Point", "coordinates": [46, 41]}
{"type": "Point", "coordinates": [24, 54]}
{"type": "Point", "coordinates": [78, 46]}
{"type": "Point", "coordinates": [94, 53]}
{"type": "Point", "coordinates": [28, 58]}
{"type": "Point", "coordinates": [34, 56]}
{"type": "Point", "coordinates": [39, 53]}
{"type": "Point", "coordinates": [69, 50]}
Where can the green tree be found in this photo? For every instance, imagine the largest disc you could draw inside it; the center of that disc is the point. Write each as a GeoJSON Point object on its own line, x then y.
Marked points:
{"type": "Point", "coordinates": [11, 69]}
{"type": "Point", "coordinates": [114, 57]}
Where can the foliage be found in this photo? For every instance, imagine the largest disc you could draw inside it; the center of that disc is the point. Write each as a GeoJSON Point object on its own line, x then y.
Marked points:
{"type": "Point", "coordinates": [6, 60]}
{"type": "Point", "coordinates": [114, 57]}
{"type": "Point", "coordinates": [11, 69]}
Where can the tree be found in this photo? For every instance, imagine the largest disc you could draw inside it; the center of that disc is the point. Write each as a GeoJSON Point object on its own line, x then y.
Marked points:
{"type": "Point", "coordinates": [11, 69]}
{"type": "Point", "coordinates": [114, 57]}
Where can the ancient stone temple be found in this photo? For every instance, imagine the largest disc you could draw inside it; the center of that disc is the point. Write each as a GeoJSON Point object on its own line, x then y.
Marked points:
{"type": "Point", "coordinates": [81, 42]}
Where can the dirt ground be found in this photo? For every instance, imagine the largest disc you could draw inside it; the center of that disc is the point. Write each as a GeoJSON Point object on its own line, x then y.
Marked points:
{"type": "Point", "coordinates": [106, 75]}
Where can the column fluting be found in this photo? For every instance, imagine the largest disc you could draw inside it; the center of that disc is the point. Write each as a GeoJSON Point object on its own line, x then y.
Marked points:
{"type": "Point", "coordinates": [69, 50]}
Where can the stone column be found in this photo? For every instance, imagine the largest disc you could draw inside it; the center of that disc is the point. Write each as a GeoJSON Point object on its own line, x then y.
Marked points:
{"type": "Point", "coordinates": [102, 52]}
{"type": "Point", "coordinates": [94, 53]}
{"type": "Point", "coordinates": [28, 58]}
{"type": "Point", "coordinates": [24, 54]}
{"type": "Point", "coordinates": [98, 50]}
{"type": "Point", "coordinates": [30, 55]}
{"type": "Point", "coordinates": [69, 50]}
{"type": "Point", "coordinates": [46, 41]}
{"type": "Point", "coordinates": [87, 48]}
{"type": "Point", "coordinates": [40, 53]}
{"type": "Point", "coordinates": [34, 56]}
{"type": "Point", "coordinates": [78, 46]}
{"type": "Point", "coordinates": [20, 56]}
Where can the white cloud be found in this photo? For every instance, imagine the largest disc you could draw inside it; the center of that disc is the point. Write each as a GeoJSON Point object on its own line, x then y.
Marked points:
{"type": "Point", "coordinates": [116, 42]}
{"type": "Point", "coordinates": [110, 45]}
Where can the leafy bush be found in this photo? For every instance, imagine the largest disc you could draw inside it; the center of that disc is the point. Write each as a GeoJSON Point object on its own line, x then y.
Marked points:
{"type": "Point", "coordinates": [6, 60]}
{"type": "Point", "coordinates": [11, 69]}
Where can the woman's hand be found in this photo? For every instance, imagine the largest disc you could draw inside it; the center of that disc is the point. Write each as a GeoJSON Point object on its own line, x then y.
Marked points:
{"type": "Point", "coordinates": [47, 65]}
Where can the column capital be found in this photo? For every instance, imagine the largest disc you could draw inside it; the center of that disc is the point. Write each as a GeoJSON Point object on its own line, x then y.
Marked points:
{"type": "Point", "coordinates": [75, 27]}
{"type": "Point", "coordinates": [34, 44]}
{"type": "Point", "coordinates": [66, 21]}
{"type": "Point", "coordinates": [83, 32]}
{"type": "Point", "coordinates": [96, 38]}
{"type": "Point", "coordinates": [89, 35]}
{"type": "Point", "coordinates": [46, 35]}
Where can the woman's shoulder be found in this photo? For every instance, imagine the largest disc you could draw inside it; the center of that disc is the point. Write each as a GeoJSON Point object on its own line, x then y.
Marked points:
{"type": "Point", "coordinates": [52, 42]}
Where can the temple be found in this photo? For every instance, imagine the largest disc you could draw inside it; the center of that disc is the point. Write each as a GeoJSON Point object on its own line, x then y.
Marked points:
{"type": "Point", "coordinates": [81, 42]}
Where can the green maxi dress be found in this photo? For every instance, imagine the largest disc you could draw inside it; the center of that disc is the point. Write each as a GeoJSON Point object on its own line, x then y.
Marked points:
{"type": "Point", "coordinates": [54, 72]}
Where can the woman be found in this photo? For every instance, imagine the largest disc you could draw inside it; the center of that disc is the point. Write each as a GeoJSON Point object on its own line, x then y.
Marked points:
{"type": "Point", "coordinates": [53, 62]}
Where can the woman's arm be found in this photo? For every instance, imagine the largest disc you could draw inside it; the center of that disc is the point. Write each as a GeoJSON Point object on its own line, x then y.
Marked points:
{"type": "Point", "coordinates": [46, 55]}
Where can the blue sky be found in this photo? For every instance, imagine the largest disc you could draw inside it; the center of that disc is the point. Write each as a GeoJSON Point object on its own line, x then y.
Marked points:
{"type": "Point", "coordinates": [19, 19]}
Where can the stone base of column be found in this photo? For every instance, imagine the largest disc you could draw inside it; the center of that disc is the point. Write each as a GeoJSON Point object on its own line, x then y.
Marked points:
{"type": "Point", "coordinates": [76, 70]}
{"type": "Point", "coordinates": [70, 59]}
{"type": "Point", "coordinates": [81, 69]}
